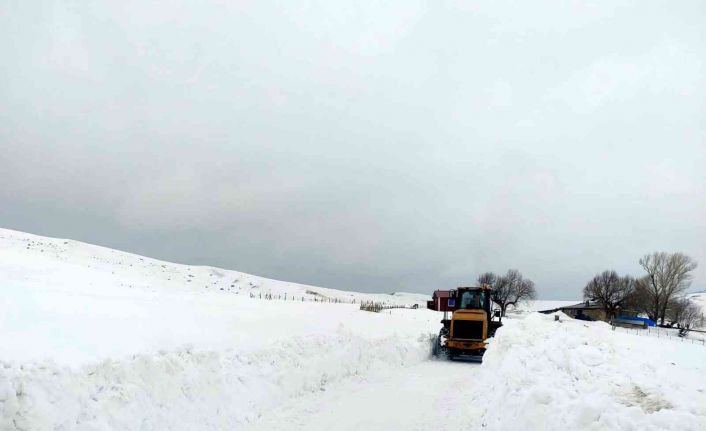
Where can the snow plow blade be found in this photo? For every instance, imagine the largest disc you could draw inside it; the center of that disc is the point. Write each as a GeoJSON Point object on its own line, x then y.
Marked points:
{"type": "Point", "coordinates": [468, 357]}
{"type": "Point", "coordinates": [441, 350]}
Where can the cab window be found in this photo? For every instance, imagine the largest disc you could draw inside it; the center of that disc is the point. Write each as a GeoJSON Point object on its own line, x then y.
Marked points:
{"type": "Point", "coordinates": [472, 300]}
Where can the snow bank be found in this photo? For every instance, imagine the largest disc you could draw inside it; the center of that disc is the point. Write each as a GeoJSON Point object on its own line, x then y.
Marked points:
{"type": "Point", "coordinates": [76, 325]}
{"type": "Point", "coordinates": [542, 374]}
{"type": "Point", "coordinates": [540, 305]}
{"type": "Point", "coordinates": [184, 390]}
{"type": "Point", "coordinates": [76, 303]}
{"type": "Point", "coordinates": [97, 339]}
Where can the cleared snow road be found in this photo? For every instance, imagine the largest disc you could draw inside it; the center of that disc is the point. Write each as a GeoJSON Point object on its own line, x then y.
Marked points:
{"type": "Point", "coordinates": [434, 395]}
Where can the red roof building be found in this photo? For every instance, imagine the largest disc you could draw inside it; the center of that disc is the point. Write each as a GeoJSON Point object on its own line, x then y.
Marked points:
{"type": "Point", "coordinates": [439, 300]}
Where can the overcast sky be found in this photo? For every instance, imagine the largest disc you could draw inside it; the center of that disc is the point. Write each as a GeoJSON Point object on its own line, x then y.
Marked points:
{"type": "Point", "coordinates": [372, 146]}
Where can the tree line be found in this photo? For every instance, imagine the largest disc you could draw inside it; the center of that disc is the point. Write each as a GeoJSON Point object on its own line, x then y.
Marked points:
{"type": "Point", "coordinates": [658, 293]}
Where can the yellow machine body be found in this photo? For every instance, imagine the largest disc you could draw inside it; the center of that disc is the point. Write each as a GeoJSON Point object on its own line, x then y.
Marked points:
{"type": "Point", "coordinates": [459, 340]}
{"type": "Point", "coordinates": [464, 335]}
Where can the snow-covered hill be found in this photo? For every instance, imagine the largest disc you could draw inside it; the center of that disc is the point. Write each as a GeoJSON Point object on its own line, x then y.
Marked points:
{"type": "Point", "coordinates": [74, 303]}
{"type": "Point", "coordinates": [99, 266]}
{"type": "Point", "coordinates": [94, 338]}
{"type": "Point", "coordinates": [97, 339]}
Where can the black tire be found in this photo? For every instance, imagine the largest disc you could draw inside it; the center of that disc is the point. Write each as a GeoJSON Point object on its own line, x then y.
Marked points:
{"type": "Point", "coordinates": [436, 347]}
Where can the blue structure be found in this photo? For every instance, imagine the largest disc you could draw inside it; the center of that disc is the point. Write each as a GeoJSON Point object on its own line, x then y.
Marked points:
{"type": "Point", "coordinates": [637, 320]}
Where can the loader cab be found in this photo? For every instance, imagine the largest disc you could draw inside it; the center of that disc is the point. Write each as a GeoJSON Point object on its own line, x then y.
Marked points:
{"type": "Point", "coordinates": [473, 310]}
{"type": "Point", "coordinates": [474, 299]}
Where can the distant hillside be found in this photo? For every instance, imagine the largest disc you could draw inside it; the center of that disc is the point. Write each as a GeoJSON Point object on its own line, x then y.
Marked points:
{"type": "Point", "coordinates": [53, 262]}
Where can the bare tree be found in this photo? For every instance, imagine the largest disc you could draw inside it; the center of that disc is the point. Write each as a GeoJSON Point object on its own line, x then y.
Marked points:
{"type": "Point", "coordinates": [502, 289]}
{"type": "Point", "coordinates": [675, 309]}
{"type": "Point", "coordinates": [610, 290]}
{"type": "Point", "coordinates": [487, 279]}
{"type": "Point", "coordinates": [668, 275]}
{"type": "Point", "coordinates": [642, 299]}
{"type": "Point", "coordinates": [683, 313]}
{"type": "Point", "coordinates": [690, 318]}
{"type": "Point", "coordinates": [524, 290]}
{"type": "Point", "coordinates": [510, 289]}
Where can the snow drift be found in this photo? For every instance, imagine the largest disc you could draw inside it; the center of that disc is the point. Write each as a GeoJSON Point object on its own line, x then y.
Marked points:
{"type": "Point", "coordinates": [76, 303]}
{"type": "Point", "coordinates": [185, 389]}
{"type": "Point", "coordinates": [543, 374]}
{"type": "Point", "coordinates": [96, 339]}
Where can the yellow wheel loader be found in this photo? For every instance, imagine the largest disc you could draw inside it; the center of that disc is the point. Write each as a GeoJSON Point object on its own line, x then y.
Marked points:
{"type": "Point", "coordinates": [472, 322]}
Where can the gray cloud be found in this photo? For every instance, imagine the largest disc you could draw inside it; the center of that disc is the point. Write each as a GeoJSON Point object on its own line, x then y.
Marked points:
{"type": "Point", "coordinates": [396, 146]}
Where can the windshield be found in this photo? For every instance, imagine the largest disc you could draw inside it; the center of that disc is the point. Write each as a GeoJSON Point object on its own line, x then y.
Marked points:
{"type": "Point", "coordinates": [472, 300]}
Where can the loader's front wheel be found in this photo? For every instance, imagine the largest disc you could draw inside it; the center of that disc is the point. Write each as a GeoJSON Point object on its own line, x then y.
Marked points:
{"type": "Point", "coordinates": [439, 350]}
{"type": "Point", "coordinates": [436, 347]}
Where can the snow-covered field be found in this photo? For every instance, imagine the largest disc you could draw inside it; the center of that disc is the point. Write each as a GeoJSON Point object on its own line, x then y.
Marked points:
{"type": "Point", "coordinates": [97, 339]}
{"type": "Point", "coordinates": [93, 338]}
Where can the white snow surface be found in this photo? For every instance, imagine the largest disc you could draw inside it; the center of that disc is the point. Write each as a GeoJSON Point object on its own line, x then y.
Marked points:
{"type": "Point", "coordinates": [540, 305]}
{"type": "Point", "coordinates": [97, 339]}
{"type": "Point", "coordinates": [571, 374]}
{"type": "Point", "coordinates": [189, 390]}
{"type": "Point", "coordinates": [76, 303]}
{"type": "Point", "coordinates": [92, 339]}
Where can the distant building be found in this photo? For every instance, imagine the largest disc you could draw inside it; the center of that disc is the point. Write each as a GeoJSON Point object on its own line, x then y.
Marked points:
{"type": "Point", "coordinates": [592, 310]}
{"type": "Point", "coordinates": [587, 310]}
{"type": "Point", "coordinates": [439, 300]}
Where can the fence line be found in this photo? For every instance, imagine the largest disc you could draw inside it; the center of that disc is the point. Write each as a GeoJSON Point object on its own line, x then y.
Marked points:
{"type": "Point", "coordinates": [294, 298]}
{"type": "Point", "coordinates": [377, 307]}
{"type": "Point", "coordinates": [364, 305]}
{"type": "Point", "coordinates": [660, 334]}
